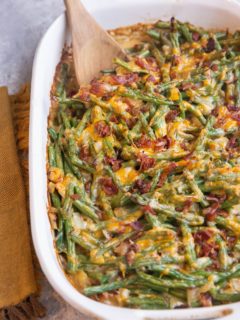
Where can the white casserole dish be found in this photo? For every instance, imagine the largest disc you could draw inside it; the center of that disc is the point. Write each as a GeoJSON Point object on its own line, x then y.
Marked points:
{"type": "Point", "coordinates": [111, 14]}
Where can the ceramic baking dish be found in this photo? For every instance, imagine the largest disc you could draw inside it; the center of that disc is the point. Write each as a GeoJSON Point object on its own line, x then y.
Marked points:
{"type": "Point", "coordinates": [110, 14]}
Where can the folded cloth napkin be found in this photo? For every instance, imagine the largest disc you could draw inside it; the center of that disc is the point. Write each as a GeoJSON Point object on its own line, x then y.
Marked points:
{"type": "Point", "coordinates": [17, 279]}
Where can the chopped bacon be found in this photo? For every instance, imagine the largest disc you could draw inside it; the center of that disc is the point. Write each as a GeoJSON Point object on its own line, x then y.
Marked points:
{"type": "Point", "coordinates": [114, 118]}
{"type": "Point", "coordinates": [102, 129]}
{"type": "Point", "coordinates": [236, 116]}
{"type": "Point", "coordinates": [186, 206]}
{"type": "Point", "coordinates": [84, 95]}
{"type": "Point", "coordinates": [183, 146]}
{"type": "Point", "coordinates": [208, 248]}
{"type": "Point", "coordinates": [142, 186]}
{"type": "Point", "coordinates": [131, 122]}
{"type": "Point", "coordinates": [216, 197]}
{"type": "Point", "coordinates": [215, 111]}
{"type": "Point", "coordinates": [84, 153]}
{"type": "Point", "coordinates": [206, 299]}
{"type": "Point", "coordinates": [75, 196]}
{"type": "Point", "coordinates": [113, 162]}
{"type": "Point", "coordinates": [137, 225]}
{"type": "Point", "coordinates": [186, 86]}
{"type": "Point", "coordinates": [176, 60]}
{"type": "Point", "coordinates": [133, 110]}
{"type": "Point", "coordinates": [231, 241]}
{"type": "Point", "coordinates": [211, 212]}
{"type": "Point", "coordinates": [171, 115]}
{"type": "Point", "coordinates": [152, 79]}
{"type": "Point", "coordinates": [214, 67]}
{"type": "Point", "coordinates": [232, 108]}
{"type": "Point", "coordinates": [124, 79]}
{"type": "Point", "coordinates": [143, 141]}
{"type": "Point", "coordinates": [162, 143]}
{"type": "Point", "coordinates": [166, 172]}
{"type": "Point", "coordinates": [210, 45]}
{"type": "Point", "coordinates": [146, 162]}
{"type": "Point", "coordinates": [99, 88]}
{"type": "Point", "coordinates": [147, 63]}
{"type": "Point", "coordinates": [195, 36]}
{"type": "Point", "coordinates": [108, 186]}
{"type": "Point", "coordinates": [203, 235]}
{"type": "Point", "coordinates": [149, 209]}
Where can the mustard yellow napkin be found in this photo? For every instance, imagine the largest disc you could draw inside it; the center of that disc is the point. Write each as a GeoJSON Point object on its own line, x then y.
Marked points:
{"type": "Point", "coordinates": [17, 279]}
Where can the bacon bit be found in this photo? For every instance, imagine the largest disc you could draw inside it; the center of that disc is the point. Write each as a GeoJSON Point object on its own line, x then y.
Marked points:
{"type": "Point", "coordinates": [206, 64]}
{"type": "Point", "coordinates": [186, 86]}
{"type": "Point", "coordinates": [124, 79]}
{"type": "Point", "coordinates": [232, 143]}
{"type": "Point", "coordinates": [236, 116]}
{"type": "Point", "coordinates": [152, 79]}
{"type": "Point", "coordinates": [75, 196]}
{"type": "Point", "coordinates": [214, 67]}
{"type": "Point", "coordinates": [147, 63]}
{"type": "Point", "coordinates": [138, 226]}
{"type": "Point", "coordinates": [144, 141]}
{"type": "Point", "coordinates": [113, 118]}
{"type": "Point", "coordinates": [176, 60]}
{"type": "Point", "coordinates": [211, 212]}
{"type": "Point", "coordinates": [171, 115]}
{"type": "Point", "coordinates": [142, 186]}
{"type": "Point", "coordinates": [183, 146]}
{"type": "Point", "coordinates": [72, 92]}
{"type": "Point", "coordinates": [166, 172]}
{"type": "Point", "coordinates": [232, 108]}
{"type": "Point", "coordinates": [102, 129]}
{"type": "Point", "coordinates": [149, 210]}
{"type": "Point", "coordinates": [173, 75]}
{"type": "Point", "coordinates": [206, 299]}
{"type": "Point", "coordinates": [99, 88]}
{"type": "Point", "coordinates": [162, 143]}
{"type": "Point", "coordinates": [216, 197]}
{"type": "Point", "coordinates": [215, 112]}
{"type": "Point", "coordinates": [108, 186]}
{"type": "Point", "coordinates": [210, 45]}
{"type": "Point", "coordinates": [84, 95]}
{"type": "Point", "coordinates": [195, 36]}
{"type": "Point", "coordinates": [84, 153]}
{"type": "Point", "coordinates": [207, 248]}
{"type": "Point", "coordinates": [187, 205]}
{"type": "Point", "coordinates": [133, 110]}
{"type": "Point", "coordinates": [231, 241]}
{"type": "Point", "coordinates": [203, 235]}
{"type": "Point", "coordinates": [146, 162]}
{"type": "Point", "coordinates": [131, 122]}
{"type": "Point", "coordinates": [113, 162]}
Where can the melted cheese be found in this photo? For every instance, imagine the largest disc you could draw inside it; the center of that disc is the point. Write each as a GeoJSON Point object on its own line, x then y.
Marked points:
{"type": "Point", "coordinates": [126, 175]}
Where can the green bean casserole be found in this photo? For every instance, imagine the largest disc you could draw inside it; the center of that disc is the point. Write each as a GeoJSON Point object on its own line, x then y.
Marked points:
{"type": "Point", "coordinates": [144, 170]}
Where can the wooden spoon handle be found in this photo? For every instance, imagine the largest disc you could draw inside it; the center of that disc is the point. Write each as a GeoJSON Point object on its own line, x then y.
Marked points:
{"type": "Point", "coordinates": [93, 48]}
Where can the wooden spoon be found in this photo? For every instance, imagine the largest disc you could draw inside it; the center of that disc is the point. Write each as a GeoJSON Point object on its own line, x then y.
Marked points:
{"type": "Point", "coordinates": [93, 48]}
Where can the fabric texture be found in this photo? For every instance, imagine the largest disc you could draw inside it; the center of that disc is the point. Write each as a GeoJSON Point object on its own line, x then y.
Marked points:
{"type": "Point", "coordinates": [17, 279]}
